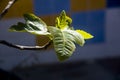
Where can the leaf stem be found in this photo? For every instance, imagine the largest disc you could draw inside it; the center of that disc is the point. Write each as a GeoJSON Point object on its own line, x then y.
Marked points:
{"type": "Point", "coordinates": [21, 47]}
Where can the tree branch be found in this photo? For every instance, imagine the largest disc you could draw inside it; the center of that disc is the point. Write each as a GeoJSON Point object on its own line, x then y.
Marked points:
{"type": "Point", "coordinates": [10, 3]}
{"type": "Point", "coordinates": [21, 47]}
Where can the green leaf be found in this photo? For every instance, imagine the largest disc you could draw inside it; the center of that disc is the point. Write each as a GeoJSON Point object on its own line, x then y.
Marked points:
{"type": "Point", "coordinates": [33, 25]}
{"type": "Point", "coordinates": [63, 41]}
{"type": "Point", "coordinates": [20, 27]}
{"type": "Point", "coordinates": [85, 34]}
{"type": "Point", "coordinates": [63, 21]}
{"type": "Point", "coordinates": [74, 36]}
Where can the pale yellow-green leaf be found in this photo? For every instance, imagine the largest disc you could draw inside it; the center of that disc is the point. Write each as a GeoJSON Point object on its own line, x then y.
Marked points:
{"type": "Point", "coordinates": [85, 34]}
{"type": "Point", "coordinates": [63, 41]}
{"type": "Point", "coordinates": [63, 22]}
{"type": "Point", "coordinates": [74, 36]}
{"type": "Point", "coordinates": [63, 45]}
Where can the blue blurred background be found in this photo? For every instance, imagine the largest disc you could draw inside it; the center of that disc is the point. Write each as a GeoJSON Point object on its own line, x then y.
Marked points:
{"type": "Point", "coordinates": [99, 59]}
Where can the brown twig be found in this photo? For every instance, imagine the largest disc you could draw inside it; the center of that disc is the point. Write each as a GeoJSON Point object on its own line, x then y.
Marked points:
{"type": "Point", "coordinates": [24, 47]}
{"type": "Point", "coordinates": [9, 5]}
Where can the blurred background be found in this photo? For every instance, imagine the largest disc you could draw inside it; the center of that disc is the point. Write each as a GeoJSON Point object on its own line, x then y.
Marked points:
{"type": "Point", "coordinates": [99, 59]}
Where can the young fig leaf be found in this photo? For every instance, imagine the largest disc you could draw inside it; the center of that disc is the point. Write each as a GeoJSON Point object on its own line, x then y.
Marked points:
{"type": "Point", "coordinates": [63, 41]}
{"type": "Point", "coordinates": [63, 21]}
{"type": "Point", "coordinates": [20, 27]}
{"type": "Point", "coordinates": [85, 34]}
{"type": "Point", "coordinates": [33, 25]}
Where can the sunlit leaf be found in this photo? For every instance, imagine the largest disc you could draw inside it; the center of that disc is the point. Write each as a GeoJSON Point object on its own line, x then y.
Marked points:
{"type": "Point", "coordinates": [63, 41]}
{"type": "Point", "coordinates": [63, 21]}
{"type": "Point", "coordinates": [35, 23]}
{"type": "Point", "coordinates": [85, 34]}
{"type": "Point", "coordinates": [74, 36]}
{"type": "Point", "coordinates": [32, 25]}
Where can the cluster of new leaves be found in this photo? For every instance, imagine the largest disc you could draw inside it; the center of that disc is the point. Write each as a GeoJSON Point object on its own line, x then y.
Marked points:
{"type": "Point", "coordinates": [63, 36]}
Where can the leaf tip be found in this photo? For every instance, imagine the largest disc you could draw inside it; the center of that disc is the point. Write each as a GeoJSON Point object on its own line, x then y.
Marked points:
{"type": "Point", "coordinates": [85, 34]}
